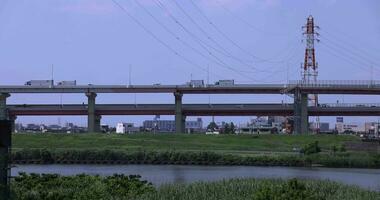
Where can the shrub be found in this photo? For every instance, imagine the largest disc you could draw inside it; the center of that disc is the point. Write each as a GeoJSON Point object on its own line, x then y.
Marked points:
{"type": "Point", "coordinates": [311, 148]}
{"type": "Point", "coordinates": [56, 187]}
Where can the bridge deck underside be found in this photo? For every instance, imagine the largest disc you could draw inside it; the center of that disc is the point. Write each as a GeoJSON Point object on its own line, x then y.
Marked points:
{"type": "Point", "coordinates": [189, 110]}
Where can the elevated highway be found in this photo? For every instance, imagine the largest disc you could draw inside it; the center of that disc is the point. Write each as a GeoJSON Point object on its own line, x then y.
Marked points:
{"type": "Point", "coordinates": [298, 89]}
{"type": "Point", "coordinates": [194, 109]}
{"type": "Point", "coordinates": [321, 87]}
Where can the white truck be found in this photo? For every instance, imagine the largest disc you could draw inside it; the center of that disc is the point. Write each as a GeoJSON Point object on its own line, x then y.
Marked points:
{"type": "Point", "coordinates": [225, 83]}
{"type": "Point", "coordinates": [48, 83]}
{"type": "Point", "coordinates": [196, 83]}
{"type": "Point", "coordinates": [67, 83]}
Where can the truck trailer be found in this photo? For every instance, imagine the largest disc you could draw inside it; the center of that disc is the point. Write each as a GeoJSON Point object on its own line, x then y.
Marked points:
{"type": "Point", "coordinates": [225, 83]}
{"type": "Point", "coordinates": [67, 83]}
{"type": "Point", "coordinates": [48, 83]}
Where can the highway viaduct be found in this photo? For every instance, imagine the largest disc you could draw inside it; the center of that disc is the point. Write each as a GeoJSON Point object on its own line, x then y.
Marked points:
{"type": "Point", "coordinates": [299, 109]}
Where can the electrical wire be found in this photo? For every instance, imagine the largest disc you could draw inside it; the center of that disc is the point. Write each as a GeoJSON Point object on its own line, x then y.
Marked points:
{"type": "Point", "coordinates": [255, 57]}
{"type": "Point", "coordinates": [226, 52]}
{"type": "Point", "coordinates": [157, 38]}
{"type": "Point", "coordinates": [352, 51]}
{"type": "Point", "coordinates": [346, 58]}
{"type": "Point", "coordinates": [196, 39]}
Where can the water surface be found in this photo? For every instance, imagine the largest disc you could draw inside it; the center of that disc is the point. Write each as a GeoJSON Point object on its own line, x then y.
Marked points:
{"type": "Point", "coordinates": [161, 174]}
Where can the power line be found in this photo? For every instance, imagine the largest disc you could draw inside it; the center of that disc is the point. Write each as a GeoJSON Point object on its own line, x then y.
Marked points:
{"type": "Point", "coordinates": [358, 53]}
{"type": "Point", "coordinates": [156, 37]}
{"type": "Point", "coordinates": [171, 32]}
{"type": "Point", "coordinates": [351, 45]}
{"type": "Point", "coordinates": [347, 58]}
{"type": "Point", "coordinates": [196, 39]}
{"type": "Point", "coordinates": [245, 22]}
{"type": "Point", "coordinates": [225, 52]}
{"type": "Point", "coordinates": [228, 38]}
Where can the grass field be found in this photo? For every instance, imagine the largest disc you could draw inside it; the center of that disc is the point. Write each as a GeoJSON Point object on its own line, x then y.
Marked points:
{"type": "Point", "coordinates": [262, 189]}
{"type": "Point", "coordinates": [234, 144]}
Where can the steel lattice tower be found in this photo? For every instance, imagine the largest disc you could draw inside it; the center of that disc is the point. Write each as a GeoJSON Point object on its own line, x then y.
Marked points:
{"type": "Point", "coordinates": [309, 70]}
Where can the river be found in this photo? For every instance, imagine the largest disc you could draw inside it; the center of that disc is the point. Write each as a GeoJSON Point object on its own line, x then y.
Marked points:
{"type": "Point", "coordinates": [161, 174]}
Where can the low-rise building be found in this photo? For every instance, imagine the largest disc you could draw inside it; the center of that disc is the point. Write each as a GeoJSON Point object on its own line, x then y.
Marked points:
{"type": "Point", "coordinates": [169, 125]}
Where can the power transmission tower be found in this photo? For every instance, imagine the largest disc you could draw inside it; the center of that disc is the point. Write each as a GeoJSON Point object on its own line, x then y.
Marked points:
{"type": "Point", "coordinates": [309, 70]}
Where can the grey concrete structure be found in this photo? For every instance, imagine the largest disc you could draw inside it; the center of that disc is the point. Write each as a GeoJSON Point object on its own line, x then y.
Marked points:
{"type": "Point", "coordinates": [193, 109]}
{"type": "Point", "coordinates": [301, 115]}
{"type": "Point", "coordinates": [12, 119]}
{"type": "Point", "coordinates": [299, 89]}
{"type": "Point", "coordinates": [93, 120]}
{"type": "Point", "coordinates": [179, 117]}
{"type": "Point", "coordinates": [3, 106]}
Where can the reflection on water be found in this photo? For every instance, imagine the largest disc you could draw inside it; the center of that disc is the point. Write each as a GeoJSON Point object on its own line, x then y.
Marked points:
{"type": "Point", "coordinates": [161, 174]}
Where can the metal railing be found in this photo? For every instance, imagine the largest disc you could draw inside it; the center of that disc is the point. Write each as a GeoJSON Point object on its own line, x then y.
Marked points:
{"type": "Point", "coordinates": [335, 83]}
{"type": "Point", "coordinates": [349, 105]}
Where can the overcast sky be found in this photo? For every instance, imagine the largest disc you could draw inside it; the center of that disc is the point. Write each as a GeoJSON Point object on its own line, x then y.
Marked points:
{"type": "Point", "coordinates": [172, 41]}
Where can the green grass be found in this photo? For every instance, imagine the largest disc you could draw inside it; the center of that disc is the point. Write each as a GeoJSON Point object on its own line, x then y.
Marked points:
{"type": "Point", "coordinates": [264, 189]}
{"type": "Point", "coordinates": [233, 144]}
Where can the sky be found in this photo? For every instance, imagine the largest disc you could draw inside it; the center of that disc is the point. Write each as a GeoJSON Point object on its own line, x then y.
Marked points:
{"type": "Point", "coordinates": [173, 41]}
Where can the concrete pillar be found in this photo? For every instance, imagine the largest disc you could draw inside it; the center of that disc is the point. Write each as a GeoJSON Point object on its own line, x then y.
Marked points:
{"type": "Point", "coordinates": [5, 151]}
{"type": "Point", "coordinates": [301, 117]}
{"type": "Point", "coordinates": [93, 122]}
{"type": "Point", "coordinates": [12, 119]}
{"type": "Point", "coordinates": [183, 124]}
{"type": "Point", "coordinates": [179, 118]}
{"type": "Point", "coordinates": [3, 106]}
{"type": "Point", "coordinates": [98, 119]}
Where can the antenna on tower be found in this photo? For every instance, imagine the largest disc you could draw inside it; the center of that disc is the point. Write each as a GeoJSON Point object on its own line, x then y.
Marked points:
{"type": "Point", "coordinates": [309, 70]}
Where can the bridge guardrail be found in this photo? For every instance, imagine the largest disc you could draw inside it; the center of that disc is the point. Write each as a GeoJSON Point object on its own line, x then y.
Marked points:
{"type": "Point", "coordinates": [349, 105]}
{"type": "Point", "coordinates": [336, 83]}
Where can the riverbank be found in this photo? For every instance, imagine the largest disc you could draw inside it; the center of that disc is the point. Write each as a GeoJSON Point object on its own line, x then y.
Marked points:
{"type": "Point", "coordinates": [231, 144]}
{"type": "Point", "coordinates": [43, 187]}
{"type": "Point", "coordinates": [195, 149]}
{"type": "Point", "coordinates": [44, 156]}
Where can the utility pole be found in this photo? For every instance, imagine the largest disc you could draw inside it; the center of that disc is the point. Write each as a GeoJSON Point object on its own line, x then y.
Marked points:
{"type": "Point", "coordinates": [129, 76]}
{"type": "Point", "coordinates": [310, 66]}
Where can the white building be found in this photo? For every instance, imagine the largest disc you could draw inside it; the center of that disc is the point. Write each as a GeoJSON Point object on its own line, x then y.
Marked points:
{"type": "Point", "coordinates": [120, 128]}
{"type": "Point", "coordinates": [349, 127]}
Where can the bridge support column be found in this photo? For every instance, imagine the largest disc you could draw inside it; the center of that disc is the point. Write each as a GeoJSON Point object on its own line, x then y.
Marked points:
{"type": "Point", "coordinates": [93, 124]}
{"type": "Point", "coordinates": [183, 124]}
{"type": "Point", "coordinates": [179, 118]}
{"type": "Point", "coordinates": [98, 119]}
{"type": "Point", "coordinates": [5, 151]}
{"type": "Point", "coordinates": [301, 117]}
{"type": "Point", "coordinates": [12, 119]}
{"type": "Point", "coordinates": [3, 106]}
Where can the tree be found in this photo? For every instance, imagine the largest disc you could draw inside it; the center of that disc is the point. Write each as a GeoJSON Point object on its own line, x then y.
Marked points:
{"type": "Point", "coordinates": [232, 128]}
{"type": "Point", "coordinates": [212, 126]}
{"type": "Point", "coordinates": [226, 129]}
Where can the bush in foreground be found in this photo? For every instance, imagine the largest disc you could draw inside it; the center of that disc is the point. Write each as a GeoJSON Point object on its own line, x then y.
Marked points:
{"type": "Point", "coordinates": [56, 187]}
{"type": "Point", "coordinates": [120, 187]}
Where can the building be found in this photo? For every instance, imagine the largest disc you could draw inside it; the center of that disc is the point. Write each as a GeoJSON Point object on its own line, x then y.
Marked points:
{"type": "Point", "coordinates": [276, 119]}
{"type": "Point", "coordinates": [372, 128]}
{"type": "Point", "coordinates": [122, 128]}
{"type": "Point", "coordinates": [349, 128]}
{"type": "Point", "coordinates": [169, 125]}
{"type": "Point", "coordinates": [323, 126]}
